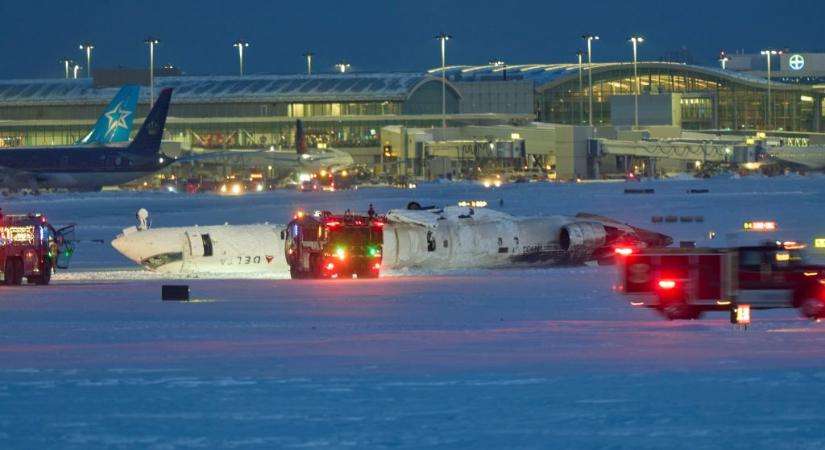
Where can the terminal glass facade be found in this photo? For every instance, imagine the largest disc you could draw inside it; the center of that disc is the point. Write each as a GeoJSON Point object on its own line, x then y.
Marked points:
{"type": "Point", "coordinates": [708, 101]}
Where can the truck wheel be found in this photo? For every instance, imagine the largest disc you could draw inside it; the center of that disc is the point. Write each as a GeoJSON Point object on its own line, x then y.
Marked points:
{"type": "Point", "coordinates": [294, 273]}
{"type": "Point", "coordinates": [812, 308]}
{"type": "Point", "coordinates": [18, 272]}
{"type": "Point", "coordinates": [367, 273]}
{"type": "Point", "coordinates": [680, 311]}
{"type": "Point", "coordinates": [9, 272]}
{"type": "Point", "coordinates": [315, 268]}
{"type": "Point", "coordinates": [45, 274]}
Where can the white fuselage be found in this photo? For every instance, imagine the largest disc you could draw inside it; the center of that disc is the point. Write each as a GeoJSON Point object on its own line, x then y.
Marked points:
{"type": "Point", "coordinates": [186, 250]}
{"type": "Point", "coordinates": [454, 238]}
{"type": "Point", "coordinates": [467, 241]}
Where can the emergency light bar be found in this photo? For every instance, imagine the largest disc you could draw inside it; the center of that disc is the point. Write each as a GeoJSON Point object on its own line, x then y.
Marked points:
{"type": "Point", "coordinates": [760, 226]}
{"type": "Point", "coordinates": [19, 234]}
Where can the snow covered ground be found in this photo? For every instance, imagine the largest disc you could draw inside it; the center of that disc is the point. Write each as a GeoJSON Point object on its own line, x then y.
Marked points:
{"type": "Point", "coordinates": [526, 358]}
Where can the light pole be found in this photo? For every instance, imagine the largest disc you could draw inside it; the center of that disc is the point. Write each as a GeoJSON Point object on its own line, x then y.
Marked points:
{"type": "Point", "coordinates": [151, 42]}
{"type": "Point", "coordinates": [343, 66]}
{"type": "Point", "coordinates": [66, 61]}
{"type": "Point", "coordinates": [723, 59]}
{"type": "Point", "coordinates": [636, 40]}
{"type": "Point", "coordinates": [443, 37]}
{"type": "Point", "coordinates": [308, 56]}
{"type": "Point", "coordinates": [768, 53]}
{"type": "Point", "coordinates": [87, 47]}
{"type": "Point", "coordinates": [502, 64]}
{"type": "Point", "coordinates": [580, 54]}
{"type": "Point", "coordinates": [240, 45]}
{"type": "Point", "coordinates": [589, 38]}
{"type": "Point", "coordinates": [75, 68]}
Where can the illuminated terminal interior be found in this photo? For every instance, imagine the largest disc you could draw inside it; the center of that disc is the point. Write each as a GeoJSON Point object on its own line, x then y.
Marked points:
{"type": "Point", "coordinates": [349, 111]}
{"type": "Point", "coordinates": [344, 110]}
{"type": "Point", "coordinates": [710, 98]}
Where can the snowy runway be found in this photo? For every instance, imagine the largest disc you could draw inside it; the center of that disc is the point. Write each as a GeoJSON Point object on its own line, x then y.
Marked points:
{"type": "Point", "coordinates": [528, 358]}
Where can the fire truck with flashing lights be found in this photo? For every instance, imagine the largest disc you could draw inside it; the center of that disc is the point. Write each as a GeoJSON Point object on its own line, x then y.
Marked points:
{"type": "Point", "coordinates": [326, 245]}
{"type": "Point", "coordinates": [31, 248]}
{"type": "Point", "coordinates": [683, 283]}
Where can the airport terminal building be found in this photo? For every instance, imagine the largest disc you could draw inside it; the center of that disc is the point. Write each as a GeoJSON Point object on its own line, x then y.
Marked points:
{"type": "Point", "coordinates": [707, 98]}
{"type": "Point", "coordinates": [345, 111]}
{"type": "Point", "coordinates": [361, 113]}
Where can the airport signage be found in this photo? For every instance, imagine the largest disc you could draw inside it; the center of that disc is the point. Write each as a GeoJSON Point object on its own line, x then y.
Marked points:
{"type": "Point", "coordinates": [796, 62]}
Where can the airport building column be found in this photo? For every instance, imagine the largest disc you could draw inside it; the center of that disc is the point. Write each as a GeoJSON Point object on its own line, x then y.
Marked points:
{"type": "Point", "coordinates": [818, 112]}
{"type": "Point", "coordinates": [651, 168]}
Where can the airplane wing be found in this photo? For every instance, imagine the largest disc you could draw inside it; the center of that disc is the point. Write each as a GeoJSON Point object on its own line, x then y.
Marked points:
{"type": "Point", "coordinates": [431, 217]}
{"type": "Point", "coordinates": [622, 232]}
{"type": "Point", "coordinates": [810, 157]}
{"type": "Point", "coordinates": [276, 157]}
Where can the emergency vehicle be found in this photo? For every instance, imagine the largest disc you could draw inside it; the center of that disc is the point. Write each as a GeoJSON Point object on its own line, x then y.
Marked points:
{"type": "Point", "coordinates": [326, 245]}
{"type": "Point", "coordinates": [682, 283]}
{"type": "Point", "coordinates": [31, 248]}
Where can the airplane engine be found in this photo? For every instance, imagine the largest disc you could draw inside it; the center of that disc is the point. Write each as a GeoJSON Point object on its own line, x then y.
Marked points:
{"type": "Point", "coordinates": [581, 239]}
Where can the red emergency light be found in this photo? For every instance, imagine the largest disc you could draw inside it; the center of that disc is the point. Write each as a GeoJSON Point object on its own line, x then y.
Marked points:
{"type": "Point", "coordinates": [330, 266]}
{"type": "Point", "coordinates": [623, 251]}
{"type": "Point", "coordinates": [376, 266]}
{"type": "Point", "coordinates": [333, 223]}
{"type": "Point", "coordinates": [667, 284]}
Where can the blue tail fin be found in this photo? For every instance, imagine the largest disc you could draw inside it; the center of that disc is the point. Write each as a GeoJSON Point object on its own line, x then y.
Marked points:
{"type": "Point", "coordinates": [150, 134]}
{"type": "Point", "coordinates": [115, 124]}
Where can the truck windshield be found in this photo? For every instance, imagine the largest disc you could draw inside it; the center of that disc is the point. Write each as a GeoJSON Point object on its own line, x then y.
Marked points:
{"type": "Point", "coordinates": [354, 236]}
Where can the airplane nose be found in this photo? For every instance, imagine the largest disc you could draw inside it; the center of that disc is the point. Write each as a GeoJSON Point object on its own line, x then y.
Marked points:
{"type": "Point", "coordinates": [127, 247]}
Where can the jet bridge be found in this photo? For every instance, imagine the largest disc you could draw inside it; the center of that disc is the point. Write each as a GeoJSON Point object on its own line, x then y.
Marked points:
{"type": "Point", "coordinates": [681, 150]}
{"type": "Point", "coordinates": [655, 151]}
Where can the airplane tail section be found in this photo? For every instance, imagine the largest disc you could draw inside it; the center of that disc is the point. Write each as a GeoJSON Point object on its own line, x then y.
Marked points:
{"type": "Point", "coordinates": [300, 138]}
{"type": "Point", "coordinates": [115, 124]}
{"type": "Point", "coordinates": [150, 134]}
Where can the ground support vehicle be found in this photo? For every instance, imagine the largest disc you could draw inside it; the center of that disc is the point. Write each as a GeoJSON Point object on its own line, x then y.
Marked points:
{"type": "Point", "coordinates": [682, 283]}
{"type": "Point", "coordinates": [326, 245]}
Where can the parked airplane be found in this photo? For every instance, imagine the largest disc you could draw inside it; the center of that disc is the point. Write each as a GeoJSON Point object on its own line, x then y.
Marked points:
{"type": "Point", "coordinates": [311, 160]}
{"type": "Point", "coordinates": [812, 157]}
{"type": "Point", "coordinates": [115, 124]}
{"type": "Point", "coordinates": [448, 238]}
{"type": "Point", "coordinates": [89, 166]}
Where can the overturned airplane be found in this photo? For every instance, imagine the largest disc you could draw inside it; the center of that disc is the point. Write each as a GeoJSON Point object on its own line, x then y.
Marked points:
{"type": "Point", "coordinates": [434, 238]}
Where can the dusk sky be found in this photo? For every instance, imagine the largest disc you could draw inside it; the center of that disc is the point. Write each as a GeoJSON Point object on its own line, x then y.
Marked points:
{"type": "Point", "coordinates": [387, 35]}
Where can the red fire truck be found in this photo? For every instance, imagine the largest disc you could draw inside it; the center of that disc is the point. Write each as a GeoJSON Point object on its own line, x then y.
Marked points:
{"type": "Point", "coordinates": [31, 248]}
{"type": "Point", "coordinates": [682, 283]}
{"type": "Point", "coordinates": [326, 245]}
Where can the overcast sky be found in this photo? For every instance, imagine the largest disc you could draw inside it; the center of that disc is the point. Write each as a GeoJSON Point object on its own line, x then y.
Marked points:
{"type": "Point", "coordinates": [387, 35]}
